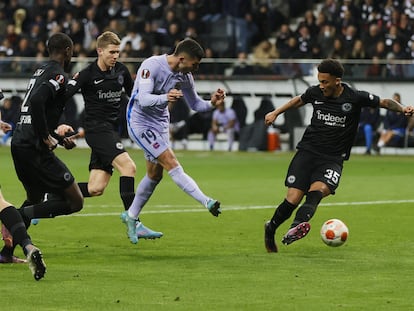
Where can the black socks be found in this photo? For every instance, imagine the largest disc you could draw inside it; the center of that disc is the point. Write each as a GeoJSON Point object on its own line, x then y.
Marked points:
{"type": "Point", "coordinates": [308, 208]}
{"type": "Point", "coordinates": [13, 221]}
{"type": "Point", "coordinates": [283, 212]}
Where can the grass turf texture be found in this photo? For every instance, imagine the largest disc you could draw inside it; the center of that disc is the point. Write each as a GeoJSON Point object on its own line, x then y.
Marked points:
{"type": "Point", "coordinates": [208, 263]}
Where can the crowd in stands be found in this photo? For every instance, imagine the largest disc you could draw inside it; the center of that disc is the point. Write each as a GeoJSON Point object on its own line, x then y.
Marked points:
{"type": "Point", "coordinates": [254, 31]}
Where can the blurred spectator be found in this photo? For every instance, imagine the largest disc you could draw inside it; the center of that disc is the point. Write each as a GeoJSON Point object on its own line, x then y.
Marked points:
{"type": "Point", "coordinates": [236, 11]}
{"type": "Point", "coordinates": [239, 107]}
{"type": "Point", "coordinates": [127, 10]}
{"type": "Point", "coordinates": [197, 5]}
{"type": "Point", "coordinates": [169, 18]}
{"type": "Point", "coordinates": [350, 34]}
{"type": "Point", "coordinates": [370, 13]}
{"type": "Point", "coordinates": [242, 65]}
{"type": "Point", "coordinates": [281, 6]}
{"type": "Point", "coordinates": [321, 20]}
{"type": "Point", "coordinates": [392, 36]}
{"type": "Point", "coordinates": [291, 52]}
{"type": "Point", "coordinates": [144, 50]}
{"type": "Point", "coordinates": [77, 32]}
{"type": "Point", "coordinates": [52, 22]}
{"type": "Point", "coordinates": [177, 7]}
{"type": "Point", "coordinates": [264, 54]}
{"type": "Point", "coordinates": [101, 18]}
{"type": "Point", "coordinates": [376, 69]}
{"type": "Point", "coordinates": [127, 50]}
{"type": "Point", "coordinates": [309, 21]}
{"type": "Point", "coordinates": [224, 120]}
{"type": "Point", "coordinates": [347, 10]}
{"type": "Point", "coordinates": [114, 9]}
{"type": "Point", "coordinates": [90, 29]}
{"type": "Point", "coordinates": [395, 124]}
{"type": "Point", "coordinates": [379, 50]}
{"type": "Point", "coordinates": [305, 41]}
{"type": "Point", "coordinates": [60, 7]}
{"type": "Point", "coordinates": [10, 111]}
{"type": "Point", "coordinates": [397, 53]}
{"type": "Point", "coordinates": [329, 9]}
{"type": "Point", "coordinates": [11, 37]}
{"type": "Point", "coordinates": [405, 27]}
{"type": "Point", "coordinates": [155, 11]}
{"type": "Point", "coordinates": [325, 40]}
{"type": "Point", "coordinates": [343, 23]}
{"type": "Point", "coordinates": [133, 37]}
{"type": "Point", "coordinates": [338, 50]}
{"type": "Point", "coordinates": [115, 26]}
{"type": "Point", "coordinates": [367, 128]}
{"type": "Point", "coordinates": [208, 66]}
{"type": "Point", "coordinates": [24, 48]}
{"type": "Point", "coordinates": [390, 13]}
{"type": "Point", "coordinates": [77, 8]}
{"type": "Point", "coordinates": [172, 36]}
{"type": "Point", "coordinates": [358, 52]}
{"type": "Point", "coordinates": [371, 38]}
{"type": "Point", "coordinates": [193, 20]}
{"type": "Point", "coordinates": [37, 34]}
{"type": "Point", "coordinates": [282, 38]}
{"type": "Point", "coordinates": [265, 21]}
{"type": "Point", "coordinates": [368, 10]}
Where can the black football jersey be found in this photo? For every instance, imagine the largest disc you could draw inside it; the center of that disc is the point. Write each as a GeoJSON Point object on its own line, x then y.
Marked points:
{"type": "Point", "coordinates": [46, 86]}
{"type": "Point", "coordinates": [334, 121]}
{"type": "Point", "coordinates": [102, 91]}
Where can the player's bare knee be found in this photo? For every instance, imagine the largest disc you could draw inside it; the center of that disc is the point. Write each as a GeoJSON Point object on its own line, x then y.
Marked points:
{"type": "Point", "coordinates": [155, 176]}
{"type": "Point", "coordinates": [96, 192]}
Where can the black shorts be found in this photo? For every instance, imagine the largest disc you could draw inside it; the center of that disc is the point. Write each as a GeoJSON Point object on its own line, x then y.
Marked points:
{"type": "Point", "coordinates": [40, 172]}
{"type": "Point", "coordinates": [106, 145]}
{"type": "Point", "coordinates": [307, 168]}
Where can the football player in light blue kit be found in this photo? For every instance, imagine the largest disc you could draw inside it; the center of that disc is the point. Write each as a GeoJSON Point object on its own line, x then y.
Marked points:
{"type": "Point", "coordinates": [160, 82]}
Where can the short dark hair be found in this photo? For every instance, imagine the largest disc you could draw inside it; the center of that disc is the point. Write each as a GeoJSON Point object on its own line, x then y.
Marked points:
{"type": "Point", "coordinates": [331, 66]}
{"type": "Point", "coordinates": [191, 47]}
{"type": "Point", "coordinates": [58, 42]}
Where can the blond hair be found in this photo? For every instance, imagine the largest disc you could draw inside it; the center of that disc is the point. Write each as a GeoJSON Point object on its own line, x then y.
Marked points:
{"type": "Point", "coordinates": [107, 38]}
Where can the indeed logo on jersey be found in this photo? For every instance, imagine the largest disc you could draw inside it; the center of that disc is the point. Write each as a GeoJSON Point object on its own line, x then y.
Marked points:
{"type": "Point", "coordinates": [331, 119]}
{"type": "Point", "coordinates": [109, 94]}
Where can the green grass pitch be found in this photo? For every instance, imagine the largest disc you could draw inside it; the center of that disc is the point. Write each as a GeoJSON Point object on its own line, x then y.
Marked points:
{"type": "Point", "coordinates": [208, 263]}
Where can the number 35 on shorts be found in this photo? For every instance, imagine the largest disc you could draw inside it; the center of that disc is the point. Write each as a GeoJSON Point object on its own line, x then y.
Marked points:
{"type": "Point", "coordinates": [332, 177]}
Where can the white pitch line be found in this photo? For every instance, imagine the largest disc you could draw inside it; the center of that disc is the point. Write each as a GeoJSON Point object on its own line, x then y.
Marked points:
{"type": "Point", "coordinates": [228, 208]}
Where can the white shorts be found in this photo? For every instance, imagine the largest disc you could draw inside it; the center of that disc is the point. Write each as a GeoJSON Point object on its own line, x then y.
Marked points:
{"type": "Point", "coordinates": [151, 141]}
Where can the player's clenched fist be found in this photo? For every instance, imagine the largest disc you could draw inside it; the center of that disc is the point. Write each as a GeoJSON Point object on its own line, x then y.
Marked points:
{"type": "Point", "coordinates": [218, 97]}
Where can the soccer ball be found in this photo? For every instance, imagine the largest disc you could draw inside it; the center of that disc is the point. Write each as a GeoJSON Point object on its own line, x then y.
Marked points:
{"type": "Point", "coordinates": [334, 232]}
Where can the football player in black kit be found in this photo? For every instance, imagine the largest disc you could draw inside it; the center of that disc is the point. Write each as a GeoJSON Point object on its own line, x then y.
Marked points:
{"type": "Point", "coordinates": [316, 168]}
{"type": "Point", "coordinates": [103, 84]}
{"type": "Point", "coordinates": [36, 136]}
{"type": "Point", "coordinates": [12, 222]}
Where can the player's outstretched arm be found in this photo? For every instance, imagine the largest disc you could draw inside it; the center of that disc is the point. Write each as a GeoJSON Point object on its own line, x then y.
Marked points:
{"type": "Point", "coordinates": [391, 104]}
{"type": "Point", "coordinates": [295, 102]}
{"type": "Point", "coordinates": [5, 127]}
